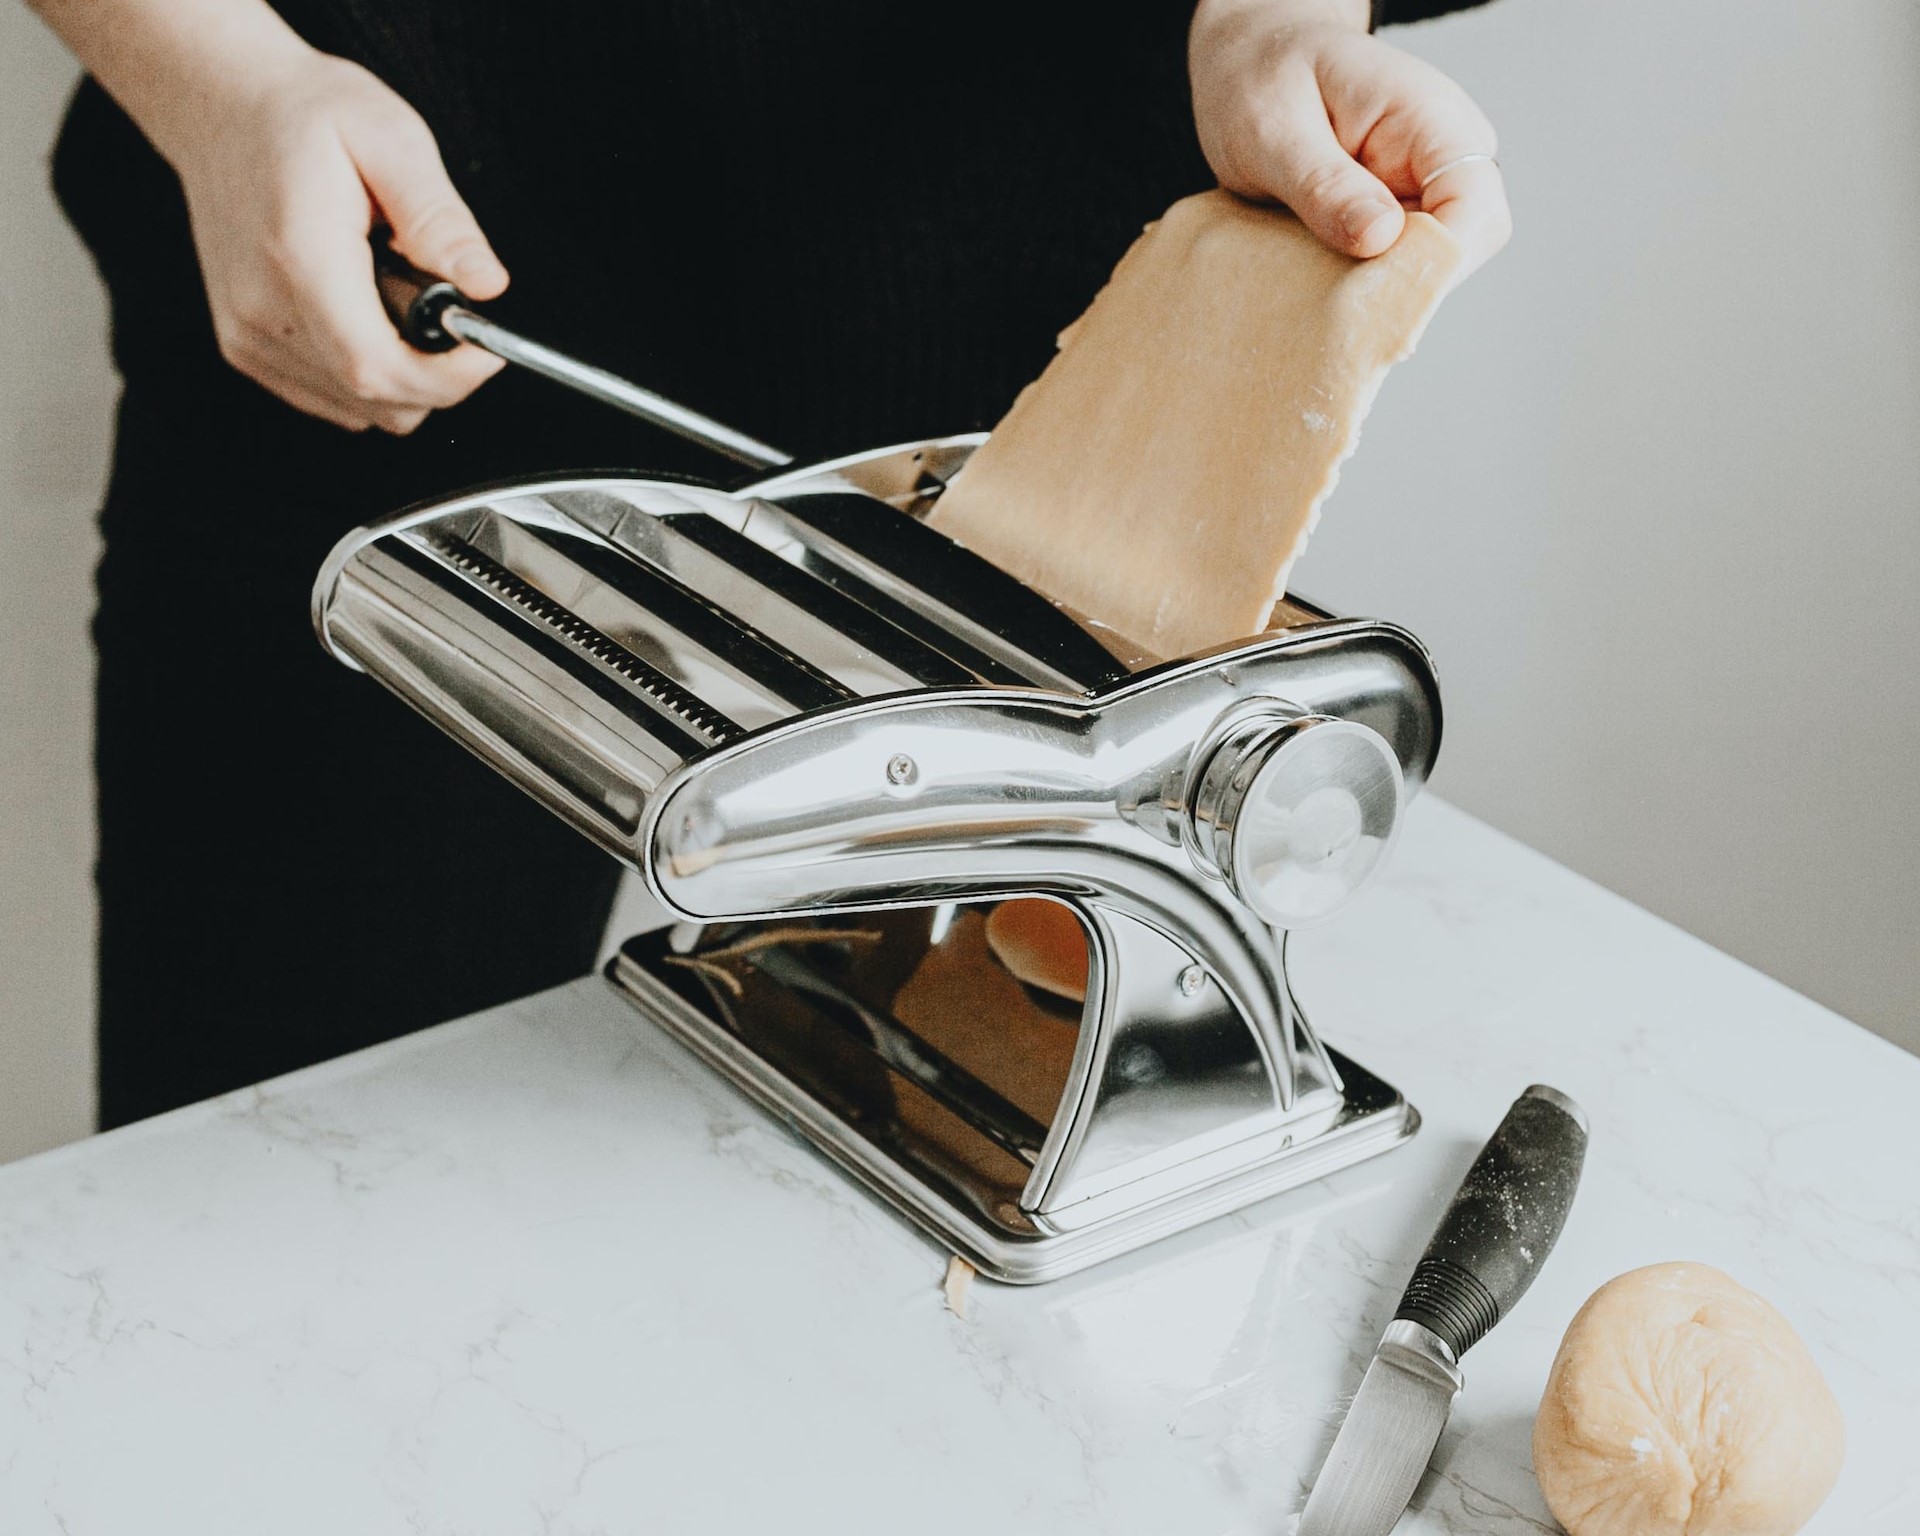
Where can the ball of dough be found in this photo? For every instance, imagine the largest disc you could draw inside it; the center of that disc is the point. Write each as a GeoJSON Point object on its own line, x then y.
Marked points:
{"type": "Point", "coordinates": [1681, 1404]}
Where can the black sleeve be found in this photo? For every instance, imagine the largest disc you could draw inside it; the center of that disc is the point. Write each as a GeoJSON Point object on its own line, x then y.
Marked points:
{"type": "Point", "coordinates": [1387, 12]}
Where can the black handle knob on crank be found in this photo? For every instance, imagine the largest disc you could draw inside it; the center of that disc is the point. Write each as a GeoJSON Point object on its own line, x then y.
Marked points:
{"type": "Point", "coordinates": [416, 301]}
{"type": "Point", "coordinates": [437, 317]}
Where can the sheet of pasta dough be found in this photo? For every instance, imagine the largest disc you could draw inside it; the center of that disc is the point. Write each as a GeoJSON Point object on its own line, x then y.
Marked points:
{"type": "Point", "coordinates": [1163, 474]}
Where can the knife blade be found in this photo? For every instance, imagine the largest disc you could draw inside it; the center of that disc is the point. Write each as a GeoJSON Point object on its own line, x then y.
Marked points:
{"type": "Point", "coordinates": [1496, 1233]}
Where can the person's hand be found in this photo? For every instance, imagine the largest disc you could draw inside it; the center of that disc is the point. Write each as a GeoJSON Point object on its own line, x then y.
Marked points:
{"type": "Point", "coordinates": [1296, 103]}
{"type": "Point", "coordinates": [287, 169]}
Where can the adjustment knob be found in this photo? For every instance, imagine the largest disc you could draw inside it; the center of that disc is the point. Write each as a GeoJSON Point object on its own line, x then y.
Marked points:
{"type": "Point", "coordinates": [1295, 812]}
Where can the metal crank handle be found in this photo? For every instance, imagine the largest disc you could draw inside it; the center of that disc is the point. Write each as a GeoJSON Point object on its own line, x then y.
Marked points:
{"type": "Point", "coordinates": [435, 316]}
{"type": "Point", "coordinates": [1503, 1222]}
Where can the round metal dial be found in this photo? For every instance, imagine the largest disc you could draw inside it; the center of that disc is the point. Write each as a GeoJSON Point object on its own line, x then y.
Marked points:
{"type": "Point", "coordinates": [1297, 814]}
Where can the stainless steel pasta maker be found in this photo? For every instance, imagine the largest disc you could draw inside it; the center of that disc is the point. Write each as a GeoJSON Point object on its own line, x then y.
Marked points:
{"type": "Point", "coordinates": [845, 754]}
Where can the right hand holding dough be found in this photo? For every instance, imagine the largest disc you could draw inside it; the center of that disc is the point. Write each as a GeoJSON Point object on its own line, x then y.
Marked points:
{"type": "Point", "coordinates": [1297, 104]}
{"type": "Point", "coordinates": [1682, 1404]}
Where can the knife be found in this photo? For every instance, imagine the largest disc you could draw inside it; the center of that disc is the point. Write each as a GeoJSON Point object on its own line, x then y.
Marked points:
{"type": "Point", "coordinates": [1494, 1237]}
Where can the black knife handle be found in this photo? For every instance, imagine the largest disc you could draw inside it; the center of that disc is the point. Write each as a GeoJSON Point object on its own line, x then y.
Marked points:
{"type": "Point", "coordinates": [415, 300]}
{"type": "Point", "coordinates": [1503, 1223]}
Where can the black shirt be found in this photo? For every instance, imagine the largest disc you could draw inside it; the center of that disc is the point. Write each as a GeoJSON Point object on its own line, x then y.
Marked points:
{"type": "Point", "coordinates": [837, 223]}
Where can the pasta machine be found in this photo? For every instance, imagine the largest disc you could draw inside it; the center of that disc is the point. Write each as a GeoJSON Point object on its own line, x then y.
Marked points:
{"type": "Point", "coordinates": [986, 905]}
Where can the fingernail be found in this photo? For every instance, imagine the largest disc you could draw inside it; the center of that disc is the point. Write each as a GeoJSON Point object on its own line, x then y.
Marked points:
{"type": "Point", "coordinates": [475, 267]}
{"type": "Point", "coordinates": [1366, 223]}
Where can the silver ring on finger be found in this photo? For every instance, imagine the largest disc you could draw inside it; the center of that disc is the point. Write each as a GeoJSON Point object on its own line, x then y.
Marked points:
{"type": "Point", "coordinates": [1454, 164]}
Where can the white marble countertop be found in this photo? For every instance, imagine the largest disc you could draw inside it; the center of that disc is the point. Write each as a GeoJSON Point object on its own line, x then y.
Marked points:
{"type": "Point", "coordinates": [538, 1271]}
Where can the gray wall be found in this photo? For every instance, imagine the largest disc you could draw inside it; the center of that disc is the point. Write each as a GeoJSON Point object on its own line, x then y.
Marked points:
{"type": "Point", "coordinates": [1648, 490]}
{"type": "Point", "coordinates": [1651, 487]}
{"type": "Point", "coordinates": [56, 399]}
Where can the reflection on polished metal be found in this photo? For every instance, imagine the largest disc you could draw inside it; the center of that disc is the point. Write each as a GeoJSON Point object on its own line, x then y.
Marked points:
{"type": "Point", "coordinates": [798, 700]}
{"type": "Point", "coordinates": [1387, 1438]}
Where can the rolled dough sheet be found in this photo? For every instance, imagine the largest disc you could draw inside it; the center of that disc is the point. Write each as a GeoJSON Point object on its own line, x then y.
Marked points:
{"type": "Point", "coordinates": [1162, 475]}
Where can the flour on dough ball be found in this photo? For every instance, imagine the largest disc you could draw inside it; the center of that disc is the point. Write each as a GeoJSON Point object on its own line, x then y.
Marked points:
{"type": "Point", "coordinates": [1681, 1404]}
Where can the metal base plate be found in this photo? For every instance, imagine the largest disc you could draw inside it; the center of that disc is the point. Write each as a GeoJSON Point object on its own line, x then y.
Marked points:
{"type": "Point", "coordinates": [785, 1053]}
